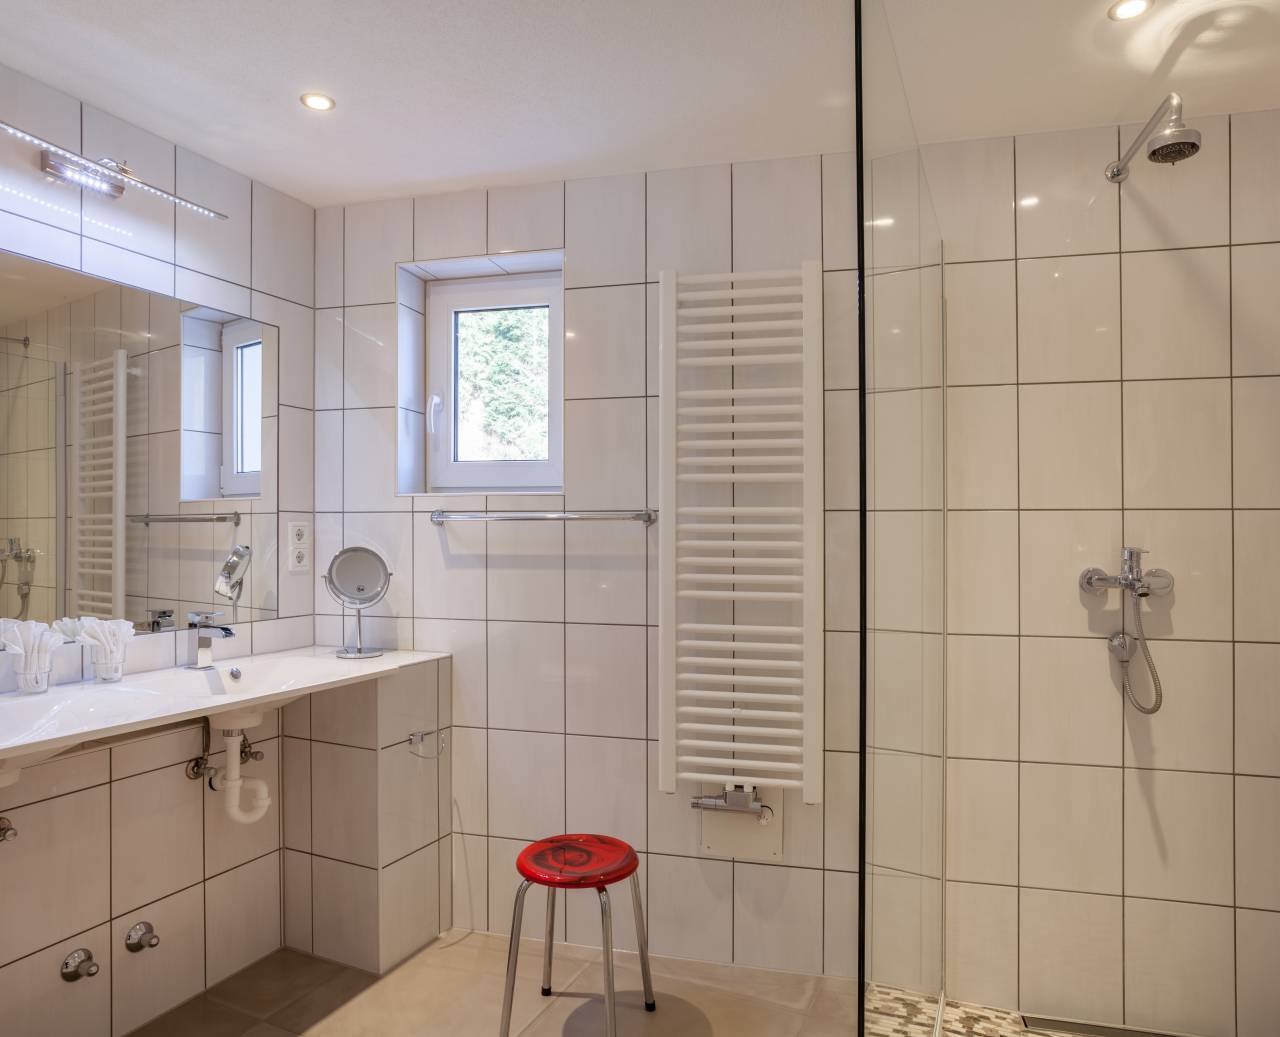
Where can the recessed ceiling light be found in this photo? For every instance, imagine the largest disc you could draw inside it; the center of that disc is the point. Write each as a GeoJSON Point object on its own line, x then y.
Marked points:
{"type": "Point", "coordinates": [324, 103]}
{"type": "Point", "coordinates": [1123, 10]}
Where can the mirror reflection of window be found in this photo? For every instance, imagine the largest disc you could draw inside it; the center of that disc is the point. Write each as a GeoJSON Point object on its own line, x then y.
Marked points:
{"type": "Point", "coordinates": [246, 423]}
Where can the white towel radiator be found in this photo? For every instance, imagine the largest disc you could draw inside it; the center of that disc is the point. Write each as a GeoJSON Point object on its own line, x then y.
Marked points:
{"type": "Point", "coordinates": [741, 531]}
{"type": "Point", "coordinates": [96, 496]}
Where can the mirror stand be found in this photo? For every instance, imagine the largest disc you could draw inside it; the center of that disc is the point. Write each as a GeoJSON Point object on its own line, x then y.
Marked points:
{"type": "Point", "coordinates": [359, 651]}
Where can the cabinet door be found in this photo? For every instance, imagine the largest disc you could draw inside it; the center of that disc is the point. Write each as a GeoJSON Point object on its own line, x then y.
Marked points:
{"type": "Point", "coordinates": [149, 982]}
{"type": "Point", "coordinates": [38, 1002]}
{"type": "Point", "coordinates": [56, 873]}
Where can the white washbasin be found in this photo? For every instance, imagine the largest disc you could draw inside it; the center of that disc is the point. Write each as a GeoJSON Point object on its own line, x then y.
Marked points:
{"type": "Point", "coordinates": [34, 727]}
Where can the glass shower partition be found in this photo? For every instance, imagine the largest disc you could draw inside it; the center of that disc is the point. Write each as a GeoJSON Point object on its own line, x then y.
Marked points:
{"type": "Point", "coordinates": [904, 522]}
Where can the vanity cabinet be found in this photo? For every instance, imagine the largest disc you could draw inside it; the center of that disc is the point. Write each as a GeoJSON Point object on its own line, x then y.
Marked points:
{"type": "Point", "coordinates": [114, 834]}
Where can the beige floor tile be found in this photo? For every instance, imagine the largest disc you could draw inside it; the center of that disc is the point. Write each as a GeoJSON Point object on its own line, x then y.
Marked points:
{"type": "Point", "coordinates": [687, 1009]}
{"type": "Point", "coordinates": [835, 999]}
{"type": "Point", "coordinates": [323, 1001]}
{"type": "Point", "coordinates": [274, 982]}
{"type": "Point", "coordinates": [267, 1030]}
{"type": "Point", "coordinates": [791, 990]}
{"type": "Point", "coordinates": [199, 1017]}
{"type": "Point", "coordinates": [422, 997]}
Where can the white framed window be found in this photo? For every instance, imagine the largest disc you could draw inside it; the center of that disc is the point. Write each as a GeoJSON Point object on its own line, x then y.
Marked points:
{"type": "Point", "coordinates": [242, 361]}
{"type": "Point", "coordinates": [495, 354]}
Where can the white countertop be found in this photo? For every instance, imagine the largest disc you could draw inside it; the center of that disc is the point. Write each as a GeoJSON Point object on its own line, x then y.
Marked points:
{"type": "Point", "coordinates": [38, 726]}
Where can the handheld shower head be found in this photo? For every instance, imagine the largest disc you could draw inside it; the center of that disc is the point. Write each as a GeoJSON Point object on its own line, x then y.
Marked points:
{"type": "Point", "coordinates": [1174, 142]}
{"type": "Point", "coordinates": [231, 576]}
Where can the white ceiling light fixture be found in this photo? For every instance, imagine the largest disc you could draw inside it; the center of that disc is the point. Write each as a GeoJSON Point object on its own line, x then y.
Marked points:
{"type": "Point", "coordinates": [106, 177]}
{"type": "Point", "coordinates": [318, 102]}
{"type": "Point", "coordinates": [1124, 10]}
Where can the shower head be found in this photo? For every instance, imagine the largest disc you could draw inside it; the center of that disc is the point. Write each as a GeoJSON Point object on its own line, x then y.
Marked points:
{"type": "Point", "coordinates": [231, 576]}
{"type": "Point", "coordinates": [1174, 142]}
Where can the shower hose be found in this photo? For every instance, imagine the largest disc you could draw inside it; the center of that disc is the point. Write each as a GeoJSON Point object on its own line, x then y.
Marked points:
{"type": "Point", "coordinates": [1146, 654]}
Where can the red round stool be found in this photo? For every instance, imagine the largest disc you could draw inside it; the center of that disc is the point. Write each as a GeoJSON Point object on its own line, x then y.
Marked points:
{"type": "Point", "coordinates": [578, 862]}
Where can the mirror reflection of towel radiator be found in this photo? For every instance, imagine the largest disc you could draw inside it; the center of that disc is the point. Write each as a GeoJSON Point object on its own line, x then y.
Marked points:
{"type": "Point", "coordinates": [96, 496]}
{"type": "Point", "coordinates": [741, 532]}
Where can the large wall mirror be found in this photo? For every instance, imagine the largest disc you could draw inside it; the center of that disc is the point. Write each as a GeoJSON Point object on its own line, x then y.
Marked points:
{"type": "Point", "coordinates": [137, 453]}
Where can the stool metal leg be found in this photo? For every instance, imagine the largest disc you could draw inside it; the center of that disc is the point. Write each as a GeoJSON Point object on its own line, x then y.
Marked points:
{"type": "Point", "coordinates": [606, 929]}
{"type": "Point", "coordinates": [513, 954]}
{"type": "Point", "coordinates": [550, 939]}
{"type": "Point", "coordinates": [642, 938]}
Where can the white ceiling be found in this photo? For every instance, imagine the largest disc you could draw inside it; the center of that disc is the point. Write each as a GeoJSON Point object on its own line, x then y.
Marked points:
{"type": "Point", "coordinates": [984, 68]}
{"type": "Point", "coordinates": [441, 94]}
{"type": "Point", "coordinates": [28, 287]}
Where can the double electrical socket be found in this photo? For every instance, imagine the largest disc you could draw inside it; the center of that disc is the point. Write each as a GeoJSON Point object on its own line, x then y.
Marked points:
{"type": "Point", "coordinates": [299, 547]}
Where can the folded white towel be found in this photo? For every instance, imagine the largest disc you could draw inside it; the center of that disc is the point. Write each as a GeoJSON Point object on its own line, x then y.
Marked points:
{"type": "Point", "coordinates": [106, 638]}
{"type": "Point", "coordinates": [33, 642]}
{"type": "Point", "coordinates": [68, 628]}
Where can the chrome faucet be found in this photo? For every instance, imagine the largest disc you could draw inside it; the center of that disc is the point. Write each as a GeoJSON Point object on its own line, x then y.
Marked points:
{"type": "Point", "coordinates": [1131, 578]}
{"type": "Point", "coordinates": [206, 630]}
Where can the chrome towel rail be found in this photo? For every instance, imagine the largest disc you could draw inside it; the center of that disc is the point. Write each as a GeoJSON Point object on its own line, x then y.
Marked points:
{"type": "Point", "coordinates": [647, 516]}
{"type": "Point", "coordinates": [147, 520]}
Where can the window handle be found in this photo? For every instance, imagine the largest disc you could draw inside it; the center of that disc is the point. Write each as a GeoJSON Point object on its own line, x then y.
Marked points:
{"type": "Point", "coordinates": [435, 407]}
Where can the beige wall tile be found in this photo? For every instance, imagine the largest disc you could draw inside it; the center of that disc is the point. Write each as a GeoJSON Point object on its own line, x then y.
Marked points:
{"type": "Point", "coordinates": [1071, 710]}
{"type": "Point", "coordinates": [1255, 310]}
{"type": "Point", "coordinates": [1196, 547]}
{"type": "Point", "coordinates": [982, 447]}
{"type": "Point", "coordinates": [982, 553]}
{"type": "Point", "coordinates": [1255, 413]}
{"type": "Point", "coordinates": [1257, 947]}
{"type": "Point", "coordinates": [1178, 836]}
{"type": "Point", "coordinates": [982, 342]}
{"type": "Point", "coordinates": [1070, 953]}
{"type": "Point", "coordinates": [1258, 842]}
{"type": "Point", "coordinates": [1056, 546]}
{"type": "Point", "coordinates": [1257, 709]}
{"type": "Point", "coordinates": [982, 821]}
{"type": "Point", "coordinates": [1178, 444]}
{"type": "Point", "coordinates": [1070, 824]}
{"type": "Point", "coordinates": [1177, 313]}
{"type": "Point", "coordinates": [1178, 967]}
{"type": "Point", "coordinates": [1193, 729]}
{"type": "Point", "coordinates": [982, 697]}
{"type": "Point", "coordinates": [1063, 207]}
{"type": "Point", "coordinates": [982, 943]}
{"type": "Point", "coordinates": [1069, 445]}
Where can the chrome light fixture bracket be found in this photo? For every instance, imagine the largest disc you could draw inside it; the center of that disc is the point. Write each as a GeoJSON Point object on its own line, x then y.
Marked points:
{"type": "Point", "coordinates": [107, 177]}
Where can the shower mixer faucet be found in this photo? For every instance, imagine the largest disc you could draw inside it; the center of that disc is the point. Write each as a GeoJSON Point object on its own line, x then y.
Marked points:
{"type": "Point", "coordinates": [1139, 584]}
{"type": "Point", "coordinates": [1131, 578]}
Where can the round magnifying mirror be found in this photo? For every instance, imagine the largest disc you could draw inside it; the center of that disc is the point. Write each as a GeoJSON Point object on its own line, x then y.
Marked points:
{"type": "Point", "coordinates": [358, 578]}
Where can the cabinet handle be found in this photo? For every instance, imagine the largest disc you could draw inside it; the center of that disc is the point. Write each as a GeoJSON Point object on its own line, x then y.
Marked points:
{"type": "Point", "coordinates": [78, 964]}
{"type": "Point", "coordinates": [140, 937]}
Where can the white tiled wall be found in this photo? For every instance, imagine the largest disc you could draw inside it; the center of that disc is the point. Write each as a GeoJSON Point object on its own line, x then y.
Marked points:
{"type": "Point", "coordinates": [551, 626]}
{"type": "Point", "coordinates": [1112, 380]}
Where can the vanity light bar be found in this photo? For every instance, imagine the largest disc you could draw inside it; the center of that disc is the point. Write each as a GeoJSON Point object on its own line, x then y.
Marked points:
{"type": "Point", "coordinates": [104, 177]}
{"type": "Point", "coordinates": [61, 169]}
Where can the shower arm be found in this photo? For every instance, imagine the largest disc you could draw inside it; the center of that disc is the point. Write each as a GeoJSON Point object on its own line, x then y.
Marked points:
{"type": "Point", "coordinates": [1170, 110]}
